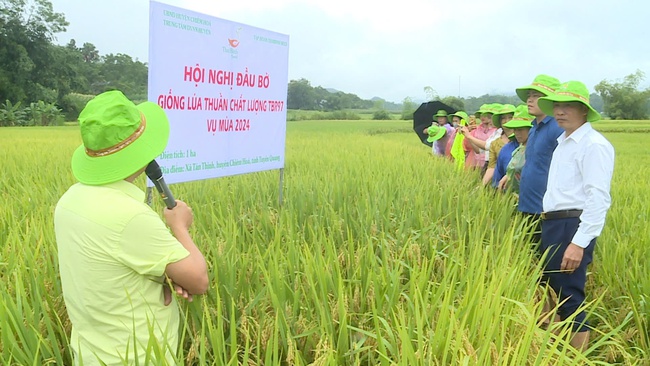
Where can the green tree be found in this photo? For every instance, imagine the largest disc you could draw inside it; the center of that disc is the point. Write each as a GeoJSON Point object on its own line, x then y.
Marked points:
{"type": "Point", "coordinates": [301, 95]}
{"type": "Point", "coordinates": [408, 107]}
{"type": "Point", "coordinates": [431, 93]}
{"type": "Point", "coordinates": [27, 28]}
{"type": "Point", "coordinates": [454, 102]}
{"type": "Point", "coordinates": [121, 72]}
{"type": "Point", "coordinates": [623, 99]}
{"type": "Point", "coordinates": [333, 101]}
{"type": "Point", "coordinates": [90, 53]}
{"type": "Point", "coordinates": [596, 101]}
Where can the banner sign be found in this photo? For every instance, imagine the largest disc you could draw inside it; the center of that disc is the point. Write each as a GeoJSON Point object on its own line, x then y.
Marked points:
{"type": "Point", "coordinates": [223, 86]}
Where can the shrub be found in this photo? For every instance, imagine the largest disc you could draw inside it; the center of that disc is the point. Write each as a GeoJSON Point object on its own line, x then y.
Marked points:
{"type": "Point", "coordinates": [344, 115]}
{"type": "Point", "coordinates": [43, 114]}
{"type": "Point", "coordinates": [298, 115]}
{"type": "Point", "coordinates": [12, 115]}
{"type": "Point", "coordinates": [73, 103]}
{"type": "Point", "coordinates": [381, 114]}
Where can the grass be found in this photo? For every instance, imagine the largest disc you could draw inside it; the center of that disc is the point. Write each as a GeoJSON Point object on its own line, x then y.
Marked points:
{"type": "Point", "coordinates": [380, 255]}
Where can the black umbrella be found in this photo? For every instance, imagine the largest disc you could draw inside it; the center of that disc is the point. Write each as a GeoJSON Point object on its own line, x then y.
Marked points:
{"type": "Point", "coordinates": [423, 116]}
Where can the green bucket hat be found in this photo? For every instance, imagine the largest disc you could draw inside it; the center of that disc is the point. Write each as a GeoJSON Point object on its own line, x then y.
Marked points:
{"type": "Point", "coordinates": [520, 119]}
{"type": "Point", "coordinates": [441, 113]}
{"type": "Point", "coordinates": [119, 138]}
{"type": "Point", "coordinates": [571, 91]}
{"type": "Point", "coordinates": [543, 83]}
{"type": "Point", "coordinates": [464, 118]}
{"type": "Point", "coordinates": [505, 109]}
{"type": "Point", "coordinates": [494, 108]}
{"type": "Point", "coordinates": [435, 133]}
{"type": "Point", "coordinates": [484, 108]}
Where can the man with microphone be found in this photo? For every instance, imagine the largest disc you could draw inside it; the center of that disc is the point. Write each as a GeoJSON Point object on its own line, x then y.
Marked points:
{"type": "Point", "coordinates": [117, 259]}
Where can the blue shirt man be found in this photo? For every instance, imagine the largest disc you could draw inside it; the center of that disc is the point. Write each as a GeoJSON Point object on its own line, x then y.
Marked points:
{"type": "Point", "coordinates": [542, 140]}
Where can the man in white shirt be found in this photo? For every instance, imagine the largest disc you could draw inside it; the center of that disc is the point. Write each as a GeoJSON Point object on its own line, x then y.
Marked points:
{"type": "Point", "coordinates": [576, 201]}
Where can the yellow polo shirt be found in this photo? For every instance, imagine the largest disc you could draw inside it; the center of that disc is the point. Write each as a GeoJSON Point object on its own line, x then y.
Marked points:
{"type": "Point", "coordinates": [113, 250]}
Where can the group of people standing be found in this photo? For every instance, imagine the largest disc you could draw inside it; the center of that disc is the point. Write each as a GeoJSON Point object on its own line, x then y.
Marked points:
{"type": "Point", "coordinates": [547, 152]}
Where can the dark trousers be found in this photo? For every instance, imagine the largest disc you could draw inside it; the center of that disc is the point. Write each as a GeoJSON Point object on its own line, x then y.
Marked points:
{"type": "Point", "coordinates": [569, 287]}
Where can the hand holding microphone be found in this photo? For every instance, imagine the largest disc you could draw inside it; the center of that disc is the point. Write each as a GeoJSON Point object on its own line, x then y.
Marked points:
{"type": "Point", "coordinates": [179, 214]}
{"type": "Point", "coordinates": [155, 174]}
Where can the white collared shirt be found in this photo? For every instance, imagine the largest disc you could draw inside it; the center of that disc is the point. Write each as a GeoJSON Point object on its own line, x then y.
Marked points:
{"type": "Point", "coordinates": [579, 178]}
{"type": "Point", "coordinates": [495, 135]}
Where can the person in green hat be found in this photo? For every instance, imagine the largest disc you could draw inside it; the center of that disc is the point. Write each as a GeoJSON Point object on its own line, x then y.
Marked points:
{"type": "Point", "coordinates": [458, 119]}
{"type": "Point", "coordinates": [542, 140]}
{"type": "Point", "coordinates": [498, 139]}
{"type": "Point", "coordinates": [505, 153]}
{"type": "Point", "coordinates": [454, 148]}
{"type": "Point", "coordinates": [114, 251]}
{"type": "Point", "coordinates": [442, 118]}
{"type": "Point", "coordinates": [472, 121]}
{"type": "Point", "coordinates": [474, 142]}
{"type": "Point", "coordinates": [504, 114]}
{"type": "Point", "coordinates": [575, 202]}
{"type": "Point", "coordinates": [482, 109]}
{"type": "Point", "coordinates": [521, 127]}
{"type": "Point", "coordinates": [436, 134]}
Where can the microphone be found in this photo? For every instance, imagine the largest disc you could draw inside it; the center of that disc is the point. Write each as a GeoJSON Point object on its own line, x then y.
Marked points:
{"type": "Point", "coordinates": [155, 174]}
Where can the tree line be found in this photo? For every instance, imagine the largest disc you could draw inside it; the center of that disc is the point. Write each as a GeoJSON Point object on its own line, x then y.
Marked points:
{"type": "Point", "coordinates": [39, 78]}
{"type": "Point", "coordinates": [40, 81]}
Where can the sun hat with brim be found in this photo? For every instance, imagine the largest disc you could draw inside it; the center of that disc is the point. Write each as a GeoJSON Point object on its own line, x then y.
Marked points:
{"type": "Point", "coordinates": [484, 108]}
{"type": "Point", "coordinates": [493, 108]}
{"type": "Point", "coordinates": [543, 83]}
{"type": "Point", "coordinates": [119, 138]}
{"type": "Point", "coordinates": [435, 133]}
{"type": "Point", "coordinates": [460, 114]}
{"type": "Point", "coordinates": [441, 113]}
{"type": "Point", "coordinates": [505, 109]}
{"type": "Point", "coordinates": [464, 118]}
{"type": "Point", "coordinates": [520, 119]}
{"type": "Point", "coordinates": [496, 107]}
{"type": "Point", "coordinates": [571, 91]}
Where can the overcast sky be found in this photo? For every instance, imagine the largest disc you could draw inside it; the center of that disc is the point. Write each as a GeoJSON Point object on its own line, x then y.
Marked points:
{"type": "Point", "coordinates": [394, 49]}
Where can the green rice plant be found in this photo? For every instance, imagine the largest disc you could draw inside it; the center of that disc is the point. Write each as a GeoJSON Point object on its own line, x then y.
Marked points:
{"type": "Point", "coordinates": [381, 254]}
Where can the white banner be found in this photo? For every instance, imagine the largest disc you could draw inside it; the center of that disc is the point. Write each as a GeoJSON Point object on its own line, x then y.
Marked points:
{"type": "Point", "coordinates": [223, 86]}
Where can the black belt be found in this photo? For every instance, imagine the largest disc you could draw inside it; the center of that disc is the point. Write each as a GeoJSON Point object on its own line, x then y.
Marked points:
{"type": "Point", "coordinates": [563, 214]}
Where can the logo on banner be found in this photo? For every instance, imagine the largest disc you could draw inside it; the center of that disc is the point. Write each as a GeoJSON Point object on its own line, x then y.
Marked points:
{"type": "Point", "coordinates": [233, 42]}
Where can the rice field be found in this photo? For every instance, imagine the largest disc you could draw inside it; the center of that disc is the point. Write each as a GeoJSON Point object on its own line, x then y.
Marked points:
{"type": "Point", "coordinates": [381, 254]}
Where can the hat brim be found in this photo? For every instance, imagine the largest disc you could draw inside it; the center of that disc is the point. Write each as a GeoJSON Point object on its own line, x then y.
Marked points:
{"type": "Point", "coordinates": [546, 105]}
{"type": "Point", "coordinates": [496, 118]}
{"type": "Point", "coordinates": [441, 132]}
{"type": "Point", "coordinates": [123, 163]}
{"type": "Point", "coordinates": [522, 93]}
{"type": "Point", "coordinates": [518, 123]}
{"type": "Point", "coordinates": [459, 115]}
